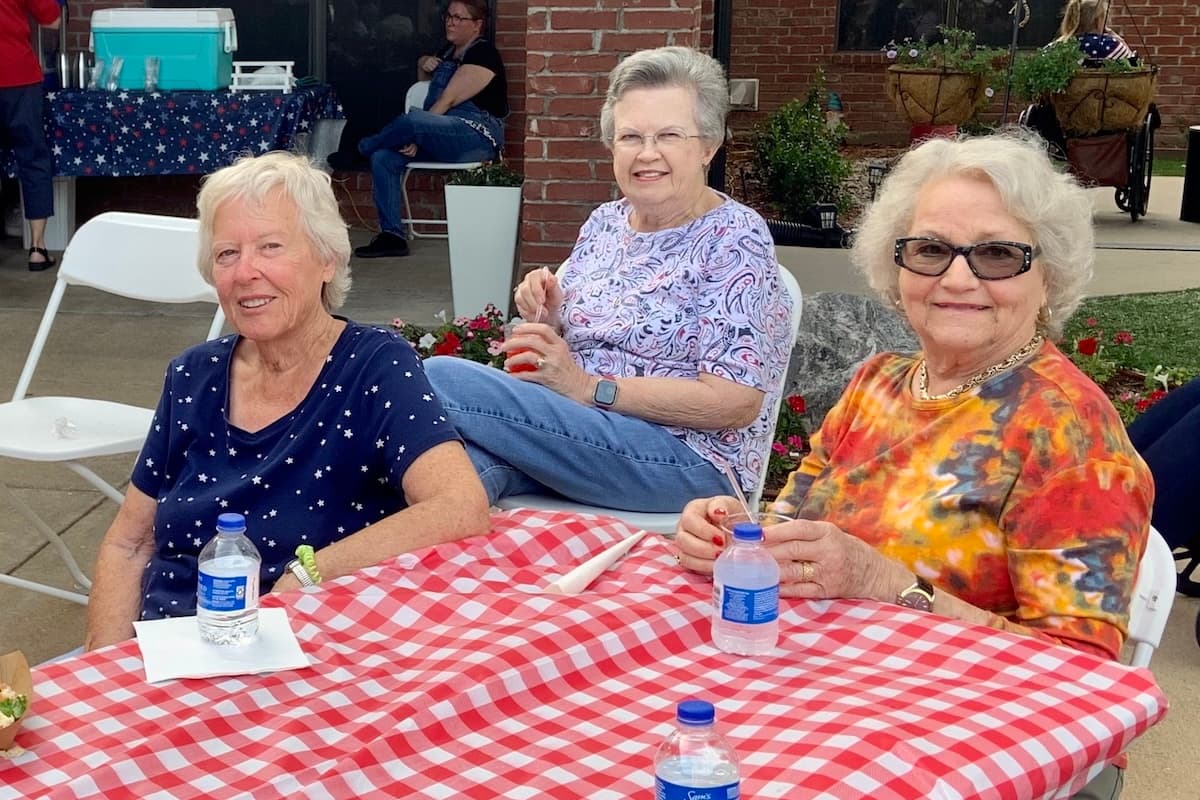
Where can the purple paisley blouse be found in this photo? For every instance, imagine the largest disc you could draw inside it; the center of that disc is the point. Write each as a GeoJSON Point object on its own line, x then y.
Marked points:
{"type": "Point", "coordinates": [703, 297]}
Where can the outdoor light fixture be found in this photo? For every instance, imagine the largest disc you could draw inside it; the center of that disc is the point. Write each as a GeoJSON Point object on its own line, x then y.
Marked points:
{"type": "Point", "coordinates": [827, 213]}
{"type": "Point", "coordinates": [875, 172]}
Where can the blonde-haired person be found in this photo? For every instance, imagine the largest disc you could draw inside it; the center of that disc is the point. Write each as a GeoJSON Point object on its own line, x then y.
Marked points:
{"type": "Point", "coordinates": [1087, 21]}
{"type": "Point", "coordinates": [985, 477]}
{"type": "Point", "coordinates": [319, 430]}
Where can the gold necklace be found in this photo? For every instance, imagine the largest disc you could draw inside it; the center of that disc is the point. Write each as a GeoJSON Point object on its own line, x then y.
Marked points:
{"type": "Point", "coordinates": [978, 377]}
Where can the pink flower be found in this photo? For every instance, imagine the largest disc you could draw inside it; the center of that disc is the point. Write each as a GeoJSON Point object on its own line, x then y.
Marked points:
{"type": "Point", "coordinates": [779, 448]}
{"type": "Point", "coordinates": [1092, 322]}
{"type": "Point", "coordinates": [795, 441]}
{"type": "Point", "coordinates": [1122, 337]}
{"type": "Point", "coordinates": [494, 347]}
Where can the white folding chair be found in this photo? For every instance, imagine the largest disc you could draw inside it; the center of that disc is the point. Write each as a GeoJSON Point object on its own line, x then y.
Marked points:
{"type": "Point", "coordinates": [664, 522]}
{"type": "Point", "coordinates": [138, 256]}
{"type": "Point", "coordinates": [1153, 596]}
{"type": "Point", "coordinates": [416, 99]}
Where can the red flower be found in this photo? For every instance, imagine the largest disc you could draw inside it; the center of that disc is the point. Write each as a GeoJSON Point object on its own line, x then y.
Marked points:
{"type": "Point", "coordinates": [796, 402]}
{"type": "Point", "coordinates": [779, 448]}
{"type": "Point", "coordinates": [1092, 322]}
{"type": "Point", "coordinates": [1122, 337]}
{"type": "Point", "coordinates": [480, 323]}
{"type": "Point", "coordinates": [448, 346]}
{"type": "Point", "coordinates": [1155, 396]}
{"type": "Point", "coordinates": [1142, 405]}
{"type": "Point", "coordinates": [1088, 346]}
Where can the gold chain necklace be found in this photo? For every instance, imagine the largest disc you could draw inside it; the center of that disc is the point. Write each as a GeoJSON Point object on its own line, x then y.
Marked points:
{"type": "Point", "coordinates": [978, 377]}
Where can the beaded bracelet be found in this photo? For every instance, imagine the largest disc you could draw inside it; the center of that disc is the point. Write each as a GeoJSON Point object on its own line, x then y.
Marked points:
{"type": "Point", "coordinates": [309, 561]}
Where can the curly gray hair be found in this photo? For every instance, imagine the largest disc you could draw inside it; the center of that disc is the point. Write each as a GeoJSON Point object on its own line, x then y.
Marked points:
{"type": "Point", "coordinates": [254, 178]}
{"type": "Point", "coordinates": [1050, 203]}
{"type": "Point", "coordinates": [672, 66]}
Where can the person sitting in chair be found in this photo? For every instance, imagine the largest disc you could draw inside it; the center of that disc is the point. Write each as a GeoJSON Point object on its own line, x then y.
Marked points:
{"type": "Point", "coordinates": [462, 120]}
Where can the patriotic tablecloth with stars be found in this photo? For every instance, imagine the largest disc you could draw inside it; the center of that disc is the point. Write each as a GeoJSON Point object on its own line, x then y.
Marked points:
{"type": "Point", "coordinates": [173, 133]}
{"type": "Point", "coordinates": [444, 674]}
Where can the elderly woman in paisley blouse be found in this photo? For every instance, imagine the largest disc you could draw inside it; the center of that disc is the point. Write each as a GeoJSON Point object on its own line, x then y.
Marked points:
{"type": "Point", "coordinates": [652, 351]}
{"type": "Point", "coordinates": [322, 432]}
{"type": "Point", "coordinates": [985, 477]}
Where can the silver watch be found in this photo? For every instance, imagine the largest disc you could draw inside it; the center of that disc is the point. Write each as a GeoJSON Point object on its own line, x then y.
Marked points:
{"type": "Point", "coordinates": [296, 568]}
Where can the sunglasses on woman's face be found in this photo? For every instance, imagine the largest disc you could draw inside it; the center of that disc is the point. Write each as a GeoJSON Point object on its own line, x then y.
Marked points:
{"type": "Point", "coordinates": [990, 261]}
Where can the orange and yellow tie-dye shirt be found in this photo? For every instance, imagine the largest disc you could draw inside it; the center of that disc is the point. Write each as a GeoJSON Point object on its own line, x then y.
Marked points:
{"type": "Point", "coordinates": [1023, 497]}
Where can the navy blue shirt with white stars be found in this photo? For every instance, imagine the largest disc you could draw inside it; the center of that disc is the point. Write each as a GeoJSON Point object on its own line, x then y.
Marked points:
{"type": "Point", "coordinates": [319, 474]}
{"type": "Point", "coordinates": [1104, 46]}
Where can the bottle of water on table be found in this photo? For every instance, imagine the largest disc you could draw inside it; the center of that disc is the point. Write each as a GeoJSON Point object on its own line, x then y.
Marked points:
{"type": "Point", "coordinates": [695, 762]}
{"type": "Point", "coordinates": [745, 618]}
{"type": "Point", "coordinates": [227, 594]}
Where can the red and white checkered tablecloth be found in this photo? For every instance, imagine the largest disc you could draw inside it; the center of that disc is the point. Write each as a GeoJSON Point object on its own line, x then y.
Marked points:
{"type": "Point", "coordinates": [446, 676]}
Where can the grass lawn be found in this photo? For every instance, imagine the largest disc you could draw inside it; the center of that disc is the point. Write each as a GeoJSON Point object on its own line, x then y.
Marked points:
{"type": "Point", "coordinates": [1168, 166]}
{"type": "Point", "coordinates": [1165, 328]}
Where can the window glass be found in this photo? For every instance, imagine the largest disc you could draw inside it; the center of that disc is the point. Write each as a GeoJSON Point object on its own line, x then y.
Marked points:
{"type": "Point", "coordinates": [870, 24]}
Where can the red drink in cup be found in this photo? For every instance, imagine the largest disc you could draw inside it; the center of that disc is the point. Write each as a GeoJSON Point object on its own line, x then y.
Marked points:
{"type": "Point", "coordinates": [508, 331]}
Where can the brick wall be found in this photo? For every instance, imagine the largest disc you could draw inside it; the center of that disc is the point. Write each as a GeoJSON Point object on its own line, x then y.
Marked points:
{"type": "Point", "coordinates": [784, 42]}
{"type": "Point", "coordinates": [572, 45]}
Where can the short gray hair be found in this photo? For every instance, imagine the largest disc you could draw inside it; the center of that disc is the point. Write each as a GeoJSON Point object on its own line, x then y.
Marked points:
{"type": "Point", "coordinates": [672, 66]}
{"type": "Point", "coordinates": [1049, 202]}
{"type": "Point", "coordinates": [253, 179]}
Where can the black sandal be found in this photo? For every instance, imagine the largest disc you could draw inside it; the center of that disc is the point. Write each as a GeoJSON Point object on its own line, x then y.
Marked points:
{"type": "Point", "coordinates": [38, 266]}
{"type": "Point", "coordinates": [1190, 555]}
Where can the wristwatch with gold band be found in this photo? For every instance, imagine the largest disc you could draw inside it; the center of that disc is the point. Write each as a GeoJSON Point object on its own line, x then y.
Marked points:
{"type": "Point", "coordinates": [918, 597]}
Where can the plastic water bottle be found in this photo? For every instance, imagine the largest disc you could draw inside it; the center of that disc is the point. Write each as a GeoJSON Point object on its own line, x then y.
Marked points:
{"type": "Point", "coordinates": [745, 618]}
{"type": "Point", "coordinates": [695, 762]}
{"type": "Point", "coordinates": [227, 594]}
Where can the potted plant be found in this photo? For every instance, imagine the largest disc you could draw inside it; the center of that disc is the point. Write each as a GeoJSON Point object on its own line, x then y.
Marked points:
{"type": "Point", "coordinates": [1088, 96]}
{"type": "Point", "coordinates": [944, 82]}
{"type": "Point", "coordinates": [483, 213]}
{"type": "Point", "coordinates": [796, 159]}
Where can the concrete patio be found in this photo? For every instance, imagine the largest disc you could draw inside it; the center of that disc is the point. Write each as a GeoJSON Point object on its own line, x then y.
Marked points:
{"type": "Point", "coordinates": [1157, 254]}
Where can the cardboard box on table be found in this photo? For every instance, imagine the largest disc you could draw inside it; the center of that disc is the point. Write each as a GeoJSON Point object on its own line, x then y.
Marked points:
{"type": "Point", "coordinates": [194, 46]}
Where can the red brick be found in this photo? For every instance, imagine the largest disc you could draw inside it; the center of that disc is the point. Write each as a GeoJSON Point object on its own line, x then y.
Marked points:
{"type": "Point", "coordinates": [632, 42]}
{"type": "Point", "coordinates": [560, 42]}
{"type": "Point", "coordinates": [562, 84]}
{"type": "Point", "coordinates": [561, 20]}
{"type": "Point", "coordinates": [580, 128]}
{"type": "Point", "coordinates": [570, 106]}
{"type": "Point", "coordinates": [592, 192]}
{"type": "Point", "coordinates": [659, 19]}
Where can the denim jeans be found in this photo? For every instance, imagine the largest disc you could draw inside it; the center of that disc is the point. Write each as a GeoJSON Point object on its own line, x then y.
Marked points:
{"type": "Point", "coordinates": [1167, 436]}
{"type": "Point", "coordinates": [21, 129]}
{"type": "Point", "coordinates": [526, 439]}
{"type": "Point", "coordinates": [438, 138]}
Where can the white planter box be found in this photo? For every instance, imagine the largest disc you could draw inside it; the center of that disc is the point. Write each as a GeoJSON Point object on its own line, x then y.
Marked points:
{"type": "Point", "coordinates": [482, 223]}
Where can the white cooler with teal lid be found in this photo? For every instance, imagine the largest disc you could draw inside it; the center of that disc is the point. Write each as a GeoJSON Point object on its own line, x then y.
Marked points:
{"type": "Point", "coordinates": [194, 46]}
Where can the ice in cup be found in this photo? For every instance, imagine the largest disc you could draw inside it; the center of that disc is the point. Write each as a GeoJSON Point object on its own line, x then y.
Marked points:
{"type": "Point", "coordinates": [508, 332]}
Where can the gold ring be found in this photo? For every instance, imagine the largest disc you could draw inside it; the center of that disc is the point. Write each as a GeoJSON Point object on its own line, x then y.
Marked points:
{"type": "Point", "coordinates": [807, 571]}
{"type": "Point", "coordinates": [541, 362]}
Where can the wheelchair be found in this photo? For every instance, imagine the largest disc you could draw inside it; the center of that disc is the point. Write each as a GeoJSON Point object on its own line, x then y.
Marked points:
{"type": "Point", "coordinates": [1123, 160]}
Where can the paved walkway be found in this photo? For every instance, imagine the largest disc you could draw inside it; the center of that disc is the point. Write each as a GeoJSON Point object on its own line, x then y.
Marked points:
{"type": "Point", "coordinates": [77, 359]}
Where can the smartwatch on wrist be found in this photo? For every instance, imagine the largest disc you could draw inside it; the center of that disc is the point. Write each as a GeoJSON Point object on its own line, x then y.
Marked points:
{"type": "Point", "coordinates": [918, 597]}
{"type": "Point", "coordinates": [605, 394]}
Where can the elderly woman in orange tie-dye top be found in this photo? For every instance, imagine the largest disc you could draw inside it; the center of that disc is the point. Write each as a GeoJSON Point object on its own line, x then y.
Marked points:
{"type": "Point", "coordinates": [984, 477]}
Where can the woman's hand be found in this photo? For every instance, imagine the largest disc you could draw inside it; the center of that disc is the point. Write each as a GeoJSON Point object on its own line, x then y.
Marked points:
{"type": "Point", "coordinates": [546, 359]}
{"type": "Point", "coordinates": [818, 559]}
{"type": "Point", "coordinates": [698, 535]}
{"type": "Point", "coordinates": [429, 63]}
{"type": "Point", "coordinates": [539, 297]}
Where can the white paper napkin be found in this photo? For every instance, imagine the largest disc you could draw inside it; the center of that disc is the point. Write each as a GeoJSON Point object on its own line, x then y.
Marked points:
{"type": "Point", "coordinates": [172, 648]}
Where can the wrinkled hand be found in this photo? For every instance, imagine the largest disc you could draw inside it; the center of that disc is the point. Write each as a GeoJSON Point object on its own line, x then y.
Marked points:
{"type": "Point", "coordinates": [547, 352]}
{"type": "Point", "coordinates": [818, 559]}
{"type": "Point", "coordinates": [409, 150]}
{"type": "Point", "coordinates": [539, 291]}
{"type": "Point", "coordinates": [698, 534]}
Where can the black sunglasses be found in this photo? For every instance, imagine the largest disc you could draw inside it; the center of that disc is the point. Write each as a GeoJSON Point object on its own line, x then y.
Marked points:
{"type": "Point", "coordinates": [989, 261]}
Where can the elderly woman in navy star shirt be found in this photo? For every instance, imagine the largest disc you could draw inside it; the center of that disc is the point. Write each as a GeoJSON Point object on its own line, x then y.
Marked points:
{"type": "Point", "coordinates": [319, 430]}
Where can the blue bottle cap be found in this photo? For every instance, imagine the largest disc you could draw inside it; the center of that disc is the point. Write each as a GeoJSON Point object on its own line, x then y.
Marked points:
{"type": "Point", "coordinates": [231, 523]}
{"type": "Point", "coordinates": [748, 532]}
{"type": "Point", "coordinates": [695, 712]}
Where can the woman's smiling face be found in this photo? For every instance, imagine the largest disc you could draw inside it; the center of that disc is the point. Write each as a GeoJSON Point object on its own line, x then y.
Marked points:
{"type": "Point", "coordinates": [957, 316]}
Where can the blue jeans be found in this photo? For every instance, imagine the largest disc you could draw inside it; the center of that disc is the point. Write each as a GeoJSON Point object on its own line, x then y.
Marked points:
{"type": "Point", "coordinates": [1167, 436]}
{"type": "Point", "coordinates": [438, 138]}
{"type": "Point", "coordinates": [21, 129]}
{"type": "Point", "coordinates": [526, 439]}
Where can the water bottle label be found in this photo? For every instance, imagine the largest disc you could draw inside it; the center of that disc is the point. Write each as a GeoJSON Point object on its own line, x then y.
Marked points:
{"type": "Point", "coordinates": [749, 606]}
{"type": "Point", "coordinates": [222, 594]}
{"type": "Point", "coordinates": [665, 790]}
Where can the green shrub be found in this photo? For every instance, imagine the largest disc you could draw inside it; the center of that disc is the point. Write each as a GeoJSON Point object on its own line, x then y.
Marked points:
{"type": "Point", "coordinates": [495, 173]}
{"type": "Point", "coordinates": [796, 156]}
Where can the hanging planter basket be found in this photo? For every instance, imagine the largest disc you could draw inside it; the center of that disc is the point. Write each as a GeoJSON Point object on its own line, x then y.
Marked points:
{"type": "Point", "coordinates": [934, 96]}
{"type": "Point", "coordinates": [1096, 100]}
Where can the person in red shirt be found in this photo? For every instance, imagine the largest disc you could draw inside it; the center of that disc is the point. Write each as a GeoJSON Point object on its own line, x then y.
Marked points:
{"type": "Point", "coordinates": [21, 115]}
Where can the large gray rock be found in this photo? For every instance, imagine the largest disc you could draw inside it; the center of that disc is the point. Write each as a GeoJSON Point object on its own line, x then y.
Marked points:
{"type": "Point", "coordinates": [837, 333]}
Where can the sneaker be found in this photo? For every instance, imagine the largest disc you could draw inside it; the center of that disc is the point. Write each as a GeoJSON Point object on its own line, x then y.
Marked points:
{"type": "Point", "coordinates": [385, 245]}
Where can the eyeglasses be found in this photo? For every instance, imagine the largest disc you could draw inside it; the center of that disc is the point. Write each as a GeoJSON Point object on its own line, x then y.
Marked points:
{"type": "Point", "coordinates": [990, 261]}
{"type": "Point", "coordinates": [455, 18]}
{"type": "Point", "coordinates": [663, 140]}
